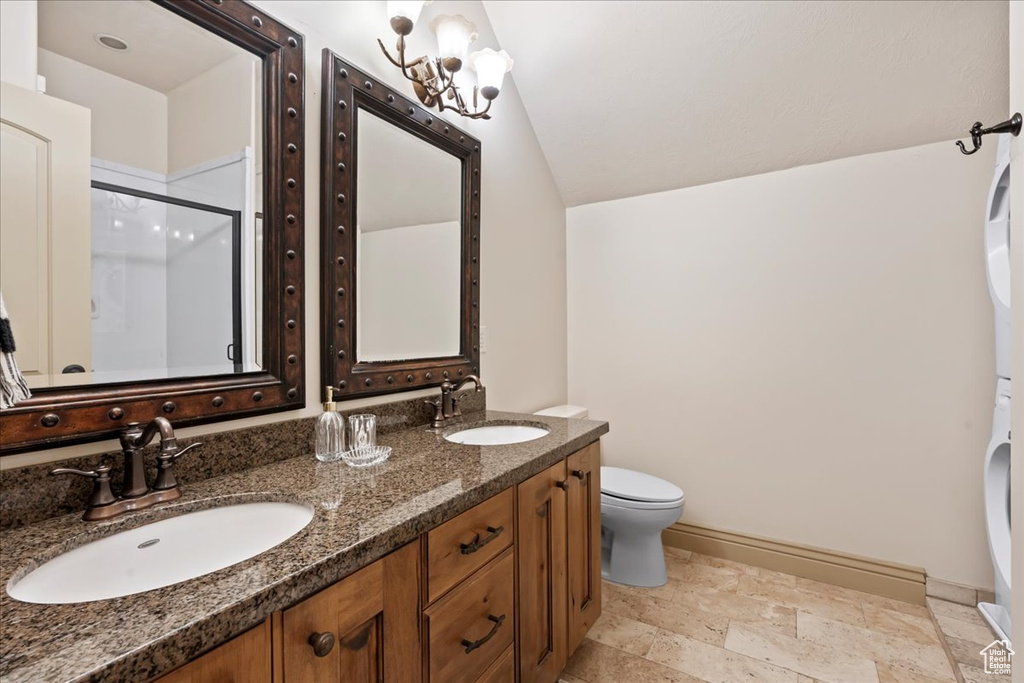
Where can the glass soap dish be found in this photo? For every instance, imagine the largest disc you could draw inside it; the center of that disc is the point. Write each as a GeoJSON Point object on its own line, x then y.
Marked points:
{"type": "Point", "coordinates": [366, 456]}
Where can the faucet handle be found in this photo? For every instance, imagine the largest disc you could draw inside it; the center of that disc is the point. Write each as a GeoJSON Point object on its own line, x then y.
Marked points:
{"type": "Point", "coordinates": [165, 478]}
{"type": "Point", "coordinates": [101, 494]}
{"type": "Point", "coordinates": [438, 421]}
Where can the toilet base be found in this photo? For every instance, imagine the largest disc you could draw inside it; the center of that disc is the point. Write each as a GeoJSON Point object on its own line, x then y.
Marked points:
{"type": "Point", "coordinates": [631, 549]}
{"type": "Point", "coordinates": [637, 560]}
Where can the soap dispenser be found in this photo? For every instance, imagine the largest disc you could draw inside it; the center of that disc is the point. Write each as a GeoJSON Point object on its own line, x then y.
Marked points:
{"type": "Point", "coordinates": [330, 431]}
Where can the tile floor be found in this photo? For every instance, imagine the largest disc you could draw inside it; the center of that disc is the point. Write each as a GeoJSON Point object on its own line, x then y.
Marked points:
{"type": "Point", "coordinates": [719, 621]}
{"type": "Point", "coordinates": [965, 634]}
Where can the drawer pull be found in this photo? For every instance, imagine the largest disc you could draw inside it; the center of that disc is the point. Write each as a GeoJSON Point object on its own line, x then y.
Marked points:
{"type": "Point", "coordinates": [471, 645]}
{"type": "Point", "coordinates": [579, 474]}
{"type": "Point", "coordinates": [470, 548]}
{"type": "Point", "coordinates": [564, 485]}
{"type": "Point", "coordinates": [322, 643]}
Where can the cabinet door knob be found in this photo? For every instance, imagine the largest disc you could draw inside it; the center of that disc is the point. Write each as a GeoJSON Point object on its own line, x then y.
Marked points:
{"type": "Point", "coordinates": [322, 643]}
{"type": "Point", "coordinates": [564, 485]}
{"type": "Point", "coordinates": [579, 474]}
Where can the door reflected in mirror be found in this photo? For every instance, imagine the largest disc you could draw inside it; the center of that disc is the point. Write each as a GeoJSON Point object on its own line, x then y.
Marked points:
{"type": "Point", "coordinates": [147, 263]}
{"type": "Point", "coordinates": [408, 245]}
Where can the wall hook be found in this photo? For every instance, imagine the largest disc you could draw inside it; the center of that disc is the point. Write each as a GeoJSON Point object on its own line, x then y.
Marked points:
{"type": "Point", "coordinates": [1011, 126]}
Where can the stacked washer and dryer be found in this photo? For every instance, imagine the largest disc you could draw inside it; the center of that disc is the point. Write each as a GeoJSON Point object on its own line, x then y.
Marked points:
{"type": "Point", "coordinates": [997, 456]}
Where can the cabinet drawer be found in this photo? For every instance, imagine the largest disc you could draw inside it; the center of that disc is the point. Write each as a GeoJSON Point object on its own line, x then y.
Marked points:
{"type": "Point", "coordinates": [462, 545]}
{"type": "Point", "coordinates": [472, 626]}
{"type": "Point", "coordinates": [503, 670]}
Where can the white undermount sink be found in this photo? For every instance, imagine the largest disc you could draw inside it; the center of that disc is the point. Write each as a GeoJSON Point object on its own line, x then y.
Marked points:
{"type": "Point", "coordinates": [162, 553]}
{"type": "Point", "coordinates": [497, 435]}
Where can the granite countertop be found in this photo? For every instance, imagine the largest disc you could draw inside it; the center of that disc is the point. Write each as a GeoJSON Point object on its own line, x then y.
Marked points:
{"type": "Point", "coordinates": [360, 515]}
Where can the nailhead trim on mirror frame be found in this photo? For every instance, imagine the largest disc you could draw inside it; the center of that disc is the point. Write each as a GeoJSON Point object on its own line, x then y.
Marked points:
{"type": "Point", "coordinates": [62, 416]}
{"type": "Point", "coordinates": [346, 90]}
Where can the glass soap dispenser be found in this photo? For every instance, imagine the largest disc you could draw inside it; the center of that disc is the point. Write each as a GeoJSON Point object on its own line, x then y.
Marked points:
{"type": "Point", "coordinates": [329, 432]}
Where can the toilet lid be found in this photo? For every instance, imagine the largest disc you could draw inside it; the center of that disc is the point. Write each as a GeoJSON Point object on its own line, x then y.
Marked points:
{"type": "Point", "coordinates": [633, 485]}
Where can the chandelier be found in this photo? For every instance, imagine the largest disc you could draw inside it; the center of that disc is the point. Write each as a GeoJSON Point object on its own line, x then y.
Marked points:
{"type": "Point", "coordinates": [433, 79]}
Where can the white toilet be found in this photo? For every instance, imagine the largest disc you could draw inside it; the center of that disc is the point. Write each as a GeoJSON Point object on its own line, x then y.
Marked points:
{"type": "Point", "coordinates": [635, 508]}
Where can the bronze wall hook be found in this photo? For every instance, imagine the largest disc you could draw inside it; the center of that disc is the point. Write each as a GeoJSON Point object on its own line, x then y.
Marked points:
{"type": "Point", "coordinates": [1011, 126]}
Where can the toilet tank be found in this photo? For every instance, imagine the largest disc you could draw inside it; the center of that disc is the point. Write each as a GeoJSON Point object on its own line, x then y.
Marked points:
{"type": "Point", "coordinates": [564, 411]}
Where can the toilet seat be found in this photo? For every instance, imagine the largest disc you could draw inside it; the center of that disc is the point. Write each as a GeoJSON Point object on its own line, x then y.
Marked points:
{"type": "Point", "coordinates": [614, 501]}
{"type": "Point", "coordinates": [637, 490]}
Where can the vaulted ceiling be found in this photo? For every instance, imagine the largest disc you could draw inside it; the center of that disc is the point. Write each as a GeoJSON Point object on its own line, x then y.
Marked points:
{"type": "Point", "coordinates": [629, 98]}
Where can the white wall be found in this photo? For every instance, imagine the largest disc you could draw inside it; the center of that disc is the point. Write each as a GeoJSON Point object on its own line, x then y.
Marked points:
{"type": "Point", "coordinates": [523, 223]}
{"type": "Point", "coordinates": [807, 353]}
{"type": "Point", "coordinates": [19, 38]}
{"type": "Point", "coordinates": [129, 121]}
{"type": "Point", "coordinates": [409, 292]}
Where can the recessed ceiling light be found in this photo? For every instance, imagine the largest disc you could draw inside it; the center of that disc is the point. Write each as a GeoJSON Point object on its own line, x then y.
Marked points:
{"type": "Point", "coordinates": [111, 42]}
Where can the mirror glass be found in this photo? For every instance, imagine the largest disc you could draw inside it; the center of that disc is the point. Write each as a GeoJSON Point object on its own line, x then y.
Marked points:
{"type": "Point", "coordinates": [131, 198]}
{"type": "Point", "coordinates": [408, 245]}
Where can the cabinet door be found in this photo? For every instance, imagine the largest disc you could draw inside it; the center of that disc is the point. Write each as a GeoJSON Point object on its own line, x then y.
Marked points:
{"type": "Point", "coordinates": [541, 528]}
{"type": "Point", "coordinates": [245, 659]}
{"type": "Point", "coordinates": [584, 541]}
{"type": "Point", "coordinates": [365, 628]}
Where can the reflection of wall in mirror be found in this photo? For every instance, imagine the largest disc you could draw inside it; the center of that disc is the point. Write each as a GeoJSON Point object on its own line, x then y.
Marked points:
{"type": "Point", "coordinates": [408, 293]}
{"type": "Point", "coordinates": [168, 143]}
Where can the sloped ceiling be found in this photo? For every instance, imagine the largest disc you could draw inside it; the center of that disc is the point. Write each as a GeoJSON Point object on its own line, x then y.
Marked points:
{"type": "Point", "coordinates": [629, 98]}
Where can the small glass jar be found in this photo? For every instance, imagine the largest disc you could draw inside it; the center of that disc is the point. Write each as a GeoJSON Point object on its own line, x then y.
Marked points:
{"type": "Point", "coordinates": [363, 431]}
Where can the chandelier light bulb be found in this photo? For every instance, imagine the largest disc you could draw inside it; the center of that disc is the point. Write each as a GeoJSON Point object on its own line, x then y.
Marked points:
{"type": "Point", "coordinates": [490, 67]}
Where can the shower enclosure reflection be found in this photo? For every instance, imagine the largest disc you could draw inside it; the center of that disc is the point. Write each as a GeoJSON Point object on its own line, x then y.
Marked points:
{"type": "Point", "coordinates": [164, 268]}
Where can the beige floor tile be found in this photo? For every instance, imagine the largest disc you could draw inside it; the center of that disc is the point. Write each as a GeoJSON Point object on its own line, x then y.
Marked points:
{"type": "Point", "coordinates": [862, 597]}
{"type": "Point", "coordinates": [566, 678]}
{"type": "Point", "coordinates": [686, 572]}
{"type": "Point", "coordinates": [976, 633]}
{"type": "Point", "coordinates": [944, 608]}
{"type": "Point", "coordinates": [805, 679]}
{"type": "Point", "coordinates": [898, 652]}
{"type": "Point", "coordinates": [597, 663]}
{"type": "Point", "coordinates": [623, 633]}
{"type": "Point", "coordinates": [713, 664]}
{"type": "Point", "coordinates": [677, 552]}
{"type": "Point", "coordinates": [722, 563]}
{"type": "Point", "coordinates": [889, 674]}
{"type": "Point", "coordinates": [814, 602]}
{"type": "Point", "coordinates": [973, 674]}
{"type": "Point", "coordinates": [664, 592]}
{"type": "Point", "coordinates": [622, 600]}
{"type": "Point", "coordinates": [739, 608]}
{"type": "Point", "coordinates": [966, 652]}
{"type": "Point", "coordinates": [901, 624]}
{"type": "Point", "coordinates": [687, 620]}
{"type": "Point", "coordinates": [810, 659]}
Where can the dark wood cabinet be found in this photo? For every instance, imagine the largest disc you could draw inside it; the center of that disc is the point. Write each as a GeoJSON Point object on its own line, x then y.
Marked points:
{"type": "Point", "coordinates": [365, 628]}
{"type": "Point", "coordinates": [543, 606]}
{"type": "Point", "coordinates": [583, 518]}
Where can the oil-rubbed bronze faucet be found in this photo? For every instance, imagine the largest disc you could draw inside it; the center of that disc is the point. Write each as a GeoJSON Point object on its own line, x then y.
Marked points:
{"type": "Point", "coordinates": [447, 407]}
{"type": "Point", "coordinates": [135, 491]}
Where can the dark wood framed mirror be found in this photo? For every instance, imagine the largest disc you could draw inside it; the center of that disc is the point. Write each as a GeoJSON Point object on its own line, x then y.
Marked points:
{"type": "Point", "coordinates": [400, 239]}
{"type": "Point", "coordinates": [239, 356]}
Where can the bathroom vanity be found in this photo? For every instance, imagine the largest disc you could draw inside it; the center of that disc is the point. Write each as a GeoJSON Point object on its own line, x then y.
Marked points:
{"type": "Point", "coordinates": [446, 563]}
